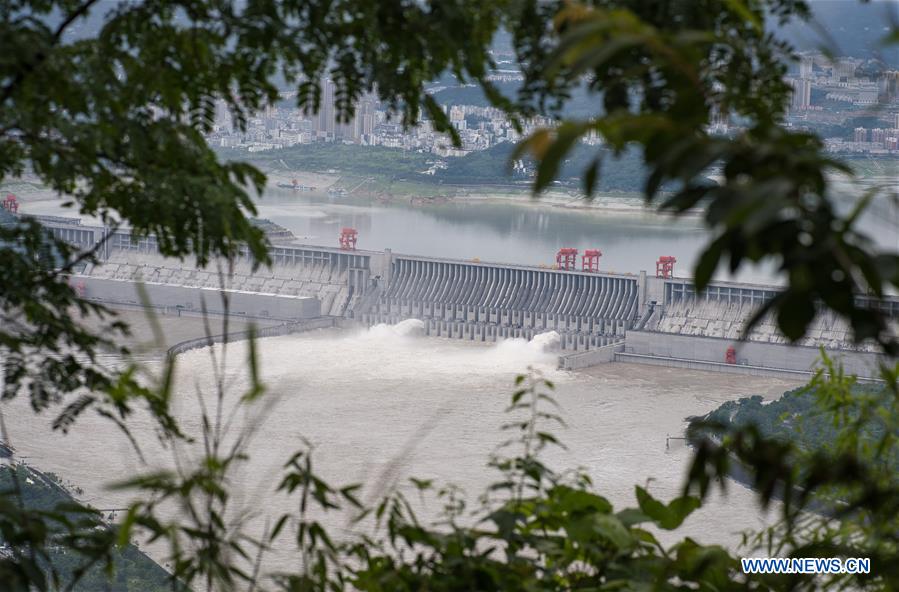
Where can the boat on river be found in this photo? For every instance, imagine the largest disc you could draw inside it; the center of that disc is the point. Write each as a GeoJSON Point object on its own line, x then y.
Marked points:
{"type": "Point", "coordinates": [296, 186]}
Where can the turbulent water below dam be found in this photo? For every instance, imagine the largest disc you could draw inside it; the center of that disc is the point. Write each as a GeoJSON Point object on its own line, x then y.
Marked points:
{"type": "Point", "coordinates": [384, 404]}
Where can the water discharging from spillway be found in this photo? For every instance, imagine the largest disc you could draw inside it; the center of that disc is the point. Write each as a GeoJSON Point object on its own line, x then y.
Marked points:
{"type": "Point", "coordinates": [385, 404]}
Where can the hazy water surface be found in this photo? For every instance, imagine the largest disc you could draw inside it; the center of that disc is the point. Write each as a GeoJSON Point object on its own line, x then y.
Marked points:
{"type": "Point", "coordinates": [381, 405]}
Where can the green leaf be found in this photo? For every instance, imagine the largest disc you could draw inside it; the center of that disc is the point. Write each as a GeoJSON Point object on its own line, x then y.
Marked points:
{"type": "Point", "coordinates": [610, 528]}
{"type": "Point", "coordinates": [631, 517]}
{"type": "Point", "coordinates": [741, 9]}
{"type": "Point", "coordinates": [708, 263]}
{"type": "Point", "coordinates": [668, 516]}
{"type": "Point", "coordinates": [794, 313]}
{"type": "Point", "coordinates": [590, 176]}
{"type": "Point", "coordinates": [551, 159]}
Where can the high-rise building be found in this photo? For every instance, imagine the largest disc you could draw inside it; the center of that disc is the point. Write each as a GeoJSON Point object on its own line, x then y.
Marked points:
{"type": "Point", "coordinates": [456, 114]}
{"type": "Point", "coordinates": [361, 124]}
{"type": "Point", "coordinates": [326, 126]}
{"type": "Point", "coordinates": [806, 67]}
{"type": "Point", "coordinates": [802, 93]}
{"type": "Point", "coordinates": [860, 134]}
{"type": "Point", "coordinates": [889, 84]}
{"type": "Point", "coordinates": [844, 70]}
{"type": "Point", "coordinates": [878, 135]}
{"type": "Point", "coordinates": [366, 113]}
{"type": "Point", "coordinates": [223, 119]}
{"type": "Point", "coordinates": [323, 122]}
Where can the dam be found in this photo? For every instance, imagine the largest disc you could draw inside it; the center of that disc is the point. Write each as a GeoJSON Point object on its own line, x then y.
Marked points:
{"type": "Point", "coordinates": [599, 316]}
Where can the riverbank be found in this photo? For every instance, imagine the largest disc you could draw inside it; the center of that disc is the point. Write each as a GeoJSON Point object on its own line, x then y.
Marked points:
{"type": "Point", "coordinates": [36, 199]}
{"type": "Point", "coordinates": [423, 194]}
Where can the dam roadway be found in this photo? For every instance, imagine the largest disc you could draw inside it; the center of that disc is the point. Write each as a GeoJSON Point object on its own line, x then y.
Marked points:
{"type": "Point", "coordinates": [613, 314]}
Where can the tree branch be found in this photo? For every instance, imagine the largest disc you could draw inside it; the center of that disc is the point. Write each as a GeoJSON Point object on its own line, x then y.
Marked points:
{"type": "Point", "coordinates": [85, 255]}
{"type": "Point", "coordinates": [41, 55]}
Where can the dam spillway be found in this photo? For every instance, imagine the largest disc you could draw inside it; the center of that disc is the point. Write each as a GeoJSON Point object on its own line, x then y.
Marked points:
{"type": "Point", "coordinates": [461, 299]}
{"type": "Point", "coordinates": [484, 301]}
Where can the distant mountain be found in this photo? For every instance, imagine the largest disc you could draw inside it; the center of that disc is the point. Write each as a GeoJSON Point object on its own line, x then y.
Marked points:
{"type": "Point", "coordinates": [847, 28]}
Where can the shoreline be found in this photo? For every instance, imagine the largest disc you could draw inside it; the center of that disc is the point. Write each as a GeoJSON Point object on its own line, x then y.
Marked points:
{"type": "Point", "coordinates": [631, 204]}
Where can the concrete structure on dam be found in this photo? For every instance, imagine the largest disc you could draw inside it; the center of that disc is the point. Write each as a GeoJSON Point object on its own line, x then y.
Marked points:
{"type": "Point", "coordinates": [599, 316]}
{"type": "Point", "coordinates": [486, 301]}
{"type": "Point", "coordinates": [180, 299]}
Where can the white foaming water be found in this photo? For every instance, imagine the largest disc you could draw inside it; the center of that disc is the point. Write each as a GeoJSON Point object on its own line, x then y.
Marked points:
{"type": "Point", "coordinates": [402, 352]}
{"type": "Point", "coordinates": [547, 340]}
{"type": "Point", "coordinates": [385, 404]}
{"type": "Point", "coordinates": [401, 329]}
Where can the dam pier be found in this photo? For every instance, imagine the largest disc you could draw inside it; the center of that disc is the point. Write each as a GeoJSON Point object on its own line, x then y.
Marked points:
{"type": "Point", "coordinates": [599, 316]}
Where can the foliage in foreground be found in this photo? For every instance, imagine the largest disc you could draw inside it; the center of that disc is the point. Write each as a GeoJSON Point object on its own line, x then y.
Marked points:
{"type": "Point", "coordinates": [533, 528]}
{"type": "Point", "coordinates": [839, 498]}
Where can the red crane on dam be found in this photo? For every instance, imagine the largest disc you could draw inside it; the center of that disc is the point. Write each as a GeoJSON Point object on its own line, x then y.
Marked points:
{"type": "Point", "coordinates": [730, 355]}
{"type": "Point", "coordinates": [590, 260]}
{"type": "Point", "coordinates": [348, 238]}
{"type": "Point", "coordinates": [665, 266]}
{"type": "Point", "coordinates": [566, 259]}
{"type": "Point", "coordinates": [10, 204]}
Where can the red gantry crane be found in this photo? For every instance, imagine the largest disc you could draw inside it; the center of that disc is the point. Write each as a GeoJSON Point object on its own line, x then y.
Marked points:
{"type": "Point", "coordinates": [730, 355]}
{"type": "Point", "coordinates": [566, 259]}
{"type": "Point", "coordinates": [590, 260]}
{"type": "Point", "coordinates": [665, 266]}
{"type": "Point", "coordinates": [348, 238]}
{"type": "Point", "coordinates": [10, 204]}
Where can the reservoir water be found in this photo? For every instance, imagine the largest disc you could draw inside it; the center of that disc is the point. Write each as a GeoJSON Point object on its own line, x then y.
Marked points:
{"type": "Point", "coordinates": [523, 231]}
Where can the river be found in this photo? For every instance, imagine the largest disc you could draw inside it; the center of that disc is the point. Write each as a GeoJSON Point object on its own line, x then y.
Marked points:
{"type": "Point", "coordinates": [384, 404]}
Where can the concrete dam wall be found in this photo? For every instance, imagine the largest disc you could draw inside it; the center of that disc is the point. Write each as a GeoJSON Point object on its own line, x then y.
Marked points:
{"type": "Point", "coordinates": [689, 330]}
{"type": "Point", "coordinates": [485, 302]}
{"type": "Point", "coordinates": [752, 357]}
{"type": "Point", "coordinates": [337, 278]}
{"type": "Point", "coordinates": [461, 299]}
{"type": "Point", "coordinates": [651, 318]}
{"type": "Point", "coordinates": [722, 319]}
{"type": "Point", "coordinates": [312, 277]}
{"type": "Point", "coordinates": [187, 299]}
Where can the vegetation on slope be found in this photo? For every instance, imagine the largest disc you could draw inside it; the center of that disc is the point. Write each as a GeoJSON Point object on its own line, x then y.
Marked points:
{"type": "Point", "coordinates": [346, 158]}
{"type": "Point", "coordinates": [44, 494]}
{"type": "Point", "coordinates": [484, 167]}
{"type": "Point", "coordinates": [802, 417]}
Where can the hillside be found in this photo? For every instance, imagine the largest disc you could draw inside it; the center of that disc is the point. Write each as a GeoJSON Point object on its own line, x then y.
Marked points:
{"type": "Point", "coordinates": [45, 492]}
